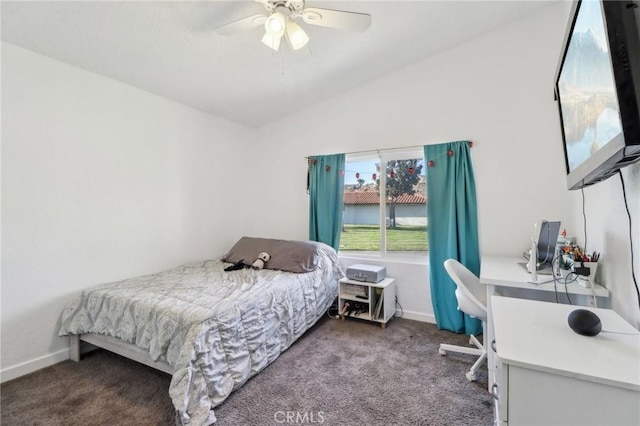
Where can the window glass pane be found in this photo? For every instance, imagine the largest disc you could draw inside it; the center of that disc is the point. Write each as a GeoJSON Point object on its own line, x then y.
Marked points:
{"type": "Point", "coordinates": [361, 211]}
{"type": "Point", "coordinates": [406, 207]}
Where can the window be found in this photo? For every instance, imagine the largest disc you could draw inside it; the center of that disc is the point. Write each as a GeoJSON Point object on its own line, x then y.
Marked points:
{"type": "Point", "coordinates": [400, 183]}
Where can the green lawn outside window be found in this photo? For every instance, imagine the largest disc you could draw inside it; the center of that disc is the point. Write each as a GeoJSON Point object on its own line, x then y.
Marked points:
{"type": "Point", "coordinates": [405, 238]}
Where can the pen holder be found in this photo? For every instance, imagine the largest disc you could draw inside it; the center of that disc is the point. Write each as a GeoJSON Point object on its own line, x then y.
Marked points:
{"type": "Point", "coordinates": [586, 281]}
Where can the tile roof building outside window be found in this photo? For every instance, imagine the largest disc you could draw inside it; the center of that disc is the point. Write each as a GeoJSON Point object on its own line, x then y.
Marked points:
{"type": "Point", "coordinates": [362, 208]}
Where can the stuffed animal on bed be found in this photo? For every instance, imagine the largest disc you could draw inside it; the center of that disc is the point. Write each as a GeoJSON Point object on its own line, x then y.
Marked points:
{"type": "Point", "coordinates": [261, 261]}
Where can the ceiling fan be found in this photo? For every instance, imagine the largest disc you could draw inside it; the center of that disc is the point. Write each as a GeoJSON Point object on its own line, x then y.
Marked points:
{"type": "Point", "coordinates": [280, 21]}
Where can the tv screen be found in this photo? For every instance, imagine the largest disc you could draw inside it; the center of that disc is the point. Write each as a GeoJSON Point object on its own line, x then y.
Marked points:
{"type": "Point", "coordinates": [598, 89]}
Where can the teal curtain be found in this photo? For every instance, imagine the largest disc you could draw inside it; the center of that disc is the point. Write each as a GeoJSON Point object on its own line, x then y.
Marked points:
{"type": "Point", "coordinates": [326, 194]}
{"type": "Point", "coordinates": [453, 229]}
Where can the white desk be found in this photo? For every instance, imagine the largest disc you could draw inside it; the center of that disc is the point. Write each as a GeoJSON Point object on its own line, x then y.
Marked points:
{"type": "Point", "coordinates": [505, 276]}
{"type": "Point", "coordinates": [507, 273]}
{"type": "Point", "coordinates": [550, 375]}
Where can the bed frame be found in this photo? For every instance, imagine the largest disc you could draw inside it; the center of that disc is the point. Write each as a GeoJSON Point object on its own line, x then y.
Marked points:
{"type": "Point", "coordinates": [114, 345]}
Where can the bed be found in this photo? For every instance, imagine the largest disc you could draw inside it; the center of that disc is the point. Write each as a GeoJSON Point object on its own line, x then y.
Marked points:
{"type": "Point", "coordinates": [211, 329]}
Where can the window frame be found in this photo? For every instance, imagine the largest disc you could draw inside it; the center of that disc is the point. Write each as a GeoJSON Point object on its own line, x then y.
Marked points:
{"type": "Point", "coordinates": [382, 156]}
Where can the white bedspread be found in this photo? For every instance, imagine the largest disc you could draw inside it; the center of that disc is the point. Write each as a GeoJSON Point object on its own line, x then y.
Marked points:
{"type": "Point", "coordinates": [215, 328]}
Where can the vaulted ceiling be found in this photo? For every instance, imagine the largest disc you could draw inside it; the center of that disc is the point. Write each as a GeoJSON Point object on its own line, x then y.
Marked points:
{"type": "Point", "coordinates": [169, 48]}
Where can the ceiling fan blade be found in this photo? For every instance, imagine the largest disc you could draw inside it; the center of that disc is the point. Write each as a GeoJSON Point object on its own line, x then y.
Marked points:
{"type": "Point", "coordinates": [272, 5]}
{"type": "Point", "coordinates": [337, 19]}
{"type": "Point", "coordinates": [240, 25]}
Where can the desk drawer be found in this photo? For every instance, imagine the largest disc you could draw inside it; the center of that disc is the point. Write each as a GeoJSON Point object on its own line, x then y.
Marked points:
{"type": "Point", "coordinates": [540, 398]}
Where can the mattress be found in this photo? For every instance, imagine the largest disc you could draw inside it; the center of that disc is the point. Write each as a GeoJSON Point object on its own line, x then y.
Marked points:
{"type": "Point", "coordinates": [215, 328]}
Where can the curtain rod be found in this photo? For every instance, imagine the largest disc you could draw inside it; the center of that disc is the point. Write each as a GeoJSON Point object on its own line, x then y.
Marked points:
{"type": "Point", "coordinates": [375, 150]}
{"type": "Point", "coordinates": [385, 149]}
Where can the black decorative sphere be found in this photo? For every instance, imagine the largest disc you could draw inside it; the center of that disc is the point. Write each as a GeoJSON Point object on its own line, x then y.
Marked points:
{"type": "Point", "coordinates": [584, 322]}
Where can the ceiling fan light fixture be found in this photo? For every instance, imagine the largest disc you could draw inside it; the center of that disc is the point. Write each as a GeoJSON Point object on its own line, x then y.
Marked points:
{"type": "Point", "coordinates": [271, 41]}
{"type": "Point", "coordinates": [281, 21]}
{"type": "Point", "coordinates": [296, 36]}
{"type": "Point", "coordinates": [275, 24]}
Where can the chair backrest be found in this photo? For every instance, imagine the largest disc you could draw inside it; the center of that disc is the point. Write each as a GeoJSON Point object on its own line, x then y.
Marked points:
{"type": "Point", "coordinates": [471, 295]}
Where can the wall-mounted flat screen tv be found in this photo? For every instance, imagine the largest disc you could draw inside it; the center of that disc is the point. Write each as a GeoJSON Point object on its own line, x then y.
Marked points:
{"type": "Point", "coordinates": [597, 87]}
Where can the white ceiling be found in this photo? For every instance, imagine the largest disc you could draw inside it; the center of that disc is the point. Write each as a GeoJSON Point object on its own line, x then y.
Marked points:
{"type": "Point", "coordinates": [169, 48]}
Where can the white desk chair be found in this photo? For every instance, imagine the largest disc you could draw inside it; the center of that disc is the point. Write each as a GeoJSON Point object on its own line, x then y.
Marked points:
{"type": "Point", "coordinates": [472, 301]}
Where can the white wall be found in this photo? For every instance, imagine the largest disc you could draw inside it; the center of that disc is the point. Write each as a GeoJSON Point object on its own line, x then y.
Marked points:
{"type": "Point", "coordinates": [406, 214]}
{"type": "Point", "coordinates": [361, 214]}
{"type": "Point", "coordinates": [608, 233]}
{"type": "Point", "coordinates": [496, 90]}
{"type": "Point", "coordinates": [100, 182]}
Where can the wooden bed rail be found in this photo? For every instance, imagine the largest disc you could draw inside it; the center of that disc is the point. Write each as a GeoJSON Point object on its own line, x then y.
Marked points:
{"type": "Point", "coordinates": [117, 346]}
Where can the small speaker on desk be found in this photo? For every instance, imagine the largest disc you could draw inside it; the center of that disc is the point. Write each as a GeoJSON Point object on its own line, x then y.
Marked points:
{"type": "Point", "coordinates": [584, 322]}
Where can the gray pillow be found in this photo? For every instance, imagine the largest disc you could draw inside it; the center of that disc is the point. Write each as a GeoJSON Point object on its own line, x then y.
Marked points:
{"type": "Point", "coordinates": [289, 256]}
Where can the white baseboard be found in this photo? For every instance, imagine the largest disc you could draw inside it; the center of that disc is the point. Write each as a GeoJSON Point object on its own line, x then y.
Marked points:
{"type": "Point", "coordinates": [417, 316]}
{"type": "Point", "coordinates": [16, 371]}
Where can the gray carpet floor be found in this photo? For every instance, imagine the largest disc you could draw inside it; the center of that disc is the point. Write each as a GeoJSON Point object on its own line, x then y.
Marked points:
{"type": "Point", "coordinates": [339, 373]}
